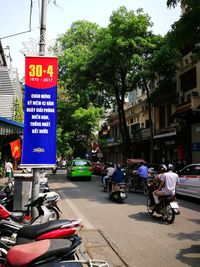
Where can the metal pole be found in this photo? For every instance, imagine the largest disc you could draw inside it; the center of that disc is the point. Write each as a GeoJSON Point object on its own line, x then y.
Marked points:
{"type": "Point", "coordinates": [36, 172]}
{"type": "Point", "coordinates": [43, 28]}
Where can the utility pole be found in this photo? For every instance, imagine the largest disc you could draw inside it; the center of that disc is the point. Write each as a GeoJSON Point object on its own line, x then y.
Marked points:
{"type": "Point", "coordinates": [36, 171]}
{"type": "Point", "coordinates": [43, 28]}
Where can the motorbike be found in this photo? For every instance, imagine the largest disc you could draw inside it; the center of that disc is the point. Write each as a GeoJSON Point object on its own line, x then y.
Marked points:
{"type": "Point", "coordinates": [54, 169]}
{"type": "Point", "coordinates": [168, 207]}
{"type": "Point", "coordinates": [41, 252]}
{"type": "Point", "coordinates": [77, 263]}
{"type": "Point", "coordinates": [50, 201]}
{"type": "Point", "coordinates": [117, 192]}
{"type": "Point", "coordinates": [12, 232]}
{"type": "Point", "coordinates": [25, 217]}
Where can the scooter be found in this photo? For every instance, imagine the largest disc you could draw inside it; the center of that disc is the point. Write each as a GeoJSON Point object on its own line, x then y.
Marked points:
{"type": "Point", "coordinates": [50, 202]}
{"type": "Point", "coordinates": [77, 263]}
{"type": "Point", "coordinates": [24, 217]}
{"type": "Point", "coordinates": [41, 252]}
{"type": "Point", "coordinates": [13, 232]}
{"type": "Point", "coordinates": [117, 192]}
{"type": "Point", "coordinates": [168, 207]}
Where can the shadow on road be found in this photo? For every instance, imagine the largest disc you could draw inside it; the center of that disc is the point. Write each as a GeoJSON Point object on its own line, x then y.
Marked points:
{"type": "Point", "coordinates": [145, 217]}
{"type": "Point", "coordinates": [190, 256]}
{"type": "Point", "coordinates": [194, 236]}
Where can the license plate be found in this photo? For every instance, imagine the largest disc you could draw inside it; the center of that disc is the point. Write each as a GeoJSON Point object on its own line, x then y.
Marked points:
{"type": "Point", "coordinates": [174, 205]}
{"type": "Point", "coordinates": [122, 194]}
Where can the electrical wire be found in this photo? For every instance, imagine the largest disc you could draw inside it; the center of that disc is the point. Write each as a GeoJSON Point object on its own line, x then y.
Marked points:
{"type": "Point", "coordinates": [30, 19]}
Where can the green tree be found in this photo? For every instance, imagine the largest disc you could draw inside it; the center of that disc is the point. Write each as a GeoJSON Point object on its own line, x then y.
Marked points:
{"type": "Point", "coordinates": [18, 111]}
{"type": "Point", "coordinates": [77, 117]}
{"type": "Point", "coordinates": [118, 55]}
{"type": "Point", "coordinates": [185, 33]}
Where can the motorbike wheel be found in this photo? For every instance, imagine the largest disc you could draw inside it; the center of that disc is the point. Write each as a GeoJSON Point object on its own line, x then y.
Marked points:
{"type": "Point", "coordinates": [146, 192]}
{"type": "Point", "coordinates": [129, 186]}
{"type": "Point", "coordinates": [169, 214]}
{"type": "Point", "coordinates": [150, 207]}
{"type": "Point", "coordinates": [54, 214]}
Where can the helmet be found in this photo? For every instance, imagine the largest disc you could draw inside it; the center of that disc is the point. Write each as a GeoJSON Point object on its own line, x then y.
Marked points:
{"type": "Point", "coordinates": [170, 167]}
{"type": "Point", "coordinates": [162, 168]}
{"type": "Point", "coordinates": [118, 166]}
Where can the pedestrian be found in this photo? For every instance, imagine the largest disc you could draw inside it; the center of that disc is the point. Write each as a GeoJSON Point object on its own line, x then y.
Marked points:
{"type": "Point", "coordinates": [142, 175]}
{"type": "Point", "coordinates": [8, 170]}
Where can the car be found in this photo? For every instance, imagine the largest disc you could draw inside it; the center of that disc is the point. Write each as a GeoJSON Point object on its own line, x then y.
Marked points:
{"type": "Point", "coordinates": [77, 168]}
{"type": "Point", "coordinates": [98, 168]}
{"type": "Point", "coordinates": [189, 181]}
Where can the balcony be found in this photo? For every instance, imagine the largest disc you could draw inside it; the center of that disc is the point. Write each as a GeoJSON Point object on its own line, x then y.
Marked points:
{"type": "Point", "coordinates": [192, 104]}
{"type": "Point", "coordinates": [165, 132]}
{"type": "Point", "coordinates": [140, 135]}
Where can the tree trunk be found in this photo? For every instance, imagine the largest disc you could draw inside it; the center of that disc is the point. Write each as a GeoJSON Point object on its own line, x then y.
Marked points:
{"type": "Point", "coordinates": [123, 127]}
{"type": "Point", "coordinates": [150, 123]}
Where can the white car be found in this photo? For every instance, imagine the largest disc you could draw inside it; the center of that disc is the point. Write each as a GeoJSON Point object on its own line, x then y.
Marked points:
{"type": "Point", "coordinates": [189, 181]}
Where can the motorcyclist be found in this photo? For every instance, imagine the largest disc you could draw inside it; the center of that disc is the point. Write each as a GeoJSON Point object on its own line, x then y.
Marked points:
{"type": "Point", "coordinates": [167, 185]}
{"type": "Point", "coordinates": [118, 176]}
{"type": "Point", "coordinates": [110, 171]}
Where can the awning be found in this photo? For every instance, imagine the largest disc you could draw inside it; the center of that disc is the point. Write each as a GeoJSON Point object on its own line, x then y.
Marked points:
{"type": "Point", "coordinates": [8, 127]}
{"type": "Point", "coordinates": [165, 135]}
{"type": "Point", "coordinates": [135, 161]}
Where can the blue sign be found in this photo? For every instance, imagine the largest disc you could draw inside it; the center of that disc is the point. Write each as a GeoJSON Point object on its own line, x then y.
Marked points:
{"type": "Point", "coordinates": [39, 140]}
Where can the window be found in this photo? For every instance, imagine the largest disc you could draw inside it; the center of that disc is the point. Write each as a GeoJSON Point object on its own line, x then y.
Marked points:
{"type": "Point", "coordinates": [162, 116]}
{"type": "Point", "coordinates": [188, 80]}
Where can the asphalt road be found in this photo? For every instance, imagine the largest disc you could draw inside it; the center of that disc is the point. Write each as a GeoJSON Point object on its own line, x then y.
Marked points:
{"type": "Point", "coordinates": [134, 236]}
{"type": "Point", "coordinates": [138, 238]}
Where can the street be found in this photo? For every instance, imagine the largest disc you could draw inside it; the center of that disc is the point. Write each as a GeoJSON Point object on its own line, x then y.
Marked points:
{"type": "Point", "coordinates": [135, 236]}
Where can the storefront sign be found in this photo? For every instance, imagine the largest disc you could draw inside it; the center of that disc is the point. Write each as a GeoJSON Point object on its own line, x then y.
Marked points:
{"type": "Point", "coordinates": [39, 140]}
{"type": "Point", "coordinates": [196, 147]}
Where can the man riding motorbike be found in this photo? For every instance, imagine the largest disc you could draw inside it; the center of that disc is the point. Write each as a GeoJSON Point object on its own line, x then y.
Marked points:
{"type": "Point", "coordinates": [110, 171]}
{"type": "Point", "coordinates": [167, 185]}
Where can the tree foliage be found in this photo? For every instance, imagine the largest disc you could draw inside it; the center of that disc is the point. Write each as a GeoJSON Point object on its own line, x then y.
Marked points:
{"type": "Point", "coordinates": [77, 117]}
{"type": "Point", "coordinates": [18, 111]}
{"type": "Point", "coordinates": [185, 33]}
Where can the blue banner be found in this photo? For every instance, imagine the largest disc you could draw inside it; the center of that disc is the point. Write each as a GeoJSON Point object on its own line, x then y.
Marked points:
{"type": "Point", "coordinates": [39, 140]}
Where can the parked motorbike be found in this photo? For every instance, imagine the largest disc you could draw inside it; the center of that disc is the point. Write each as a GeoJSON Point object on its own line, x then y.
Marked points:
{"type": "Point", "coordinates": [50, 202]}
{"type": "Point", "coordinates": [117, 192]}
{"type": "Point", "coordinates": [12, 233]}
{"type": "Point", "coordinates": [24, 217]}
{"type": "Point", "coordinates": [168, 208]}
{"type": "Point", "coordinates": [41, 252]}
{"type": "Point", "coordinates": [54, 169]}
{"type": "Point", "coordinates": [77, 263]}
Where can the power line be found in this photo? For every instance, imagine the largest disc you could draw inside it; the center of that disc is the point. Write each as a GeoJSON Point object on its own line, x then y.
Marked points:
{"type": "Point", "coordinates": [30, 18]}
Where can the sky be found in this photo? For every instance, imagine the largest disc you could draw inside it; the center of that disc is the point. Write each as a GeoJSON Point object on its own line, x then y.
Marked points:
{"type": "Point", "coordinates": [15, 16]}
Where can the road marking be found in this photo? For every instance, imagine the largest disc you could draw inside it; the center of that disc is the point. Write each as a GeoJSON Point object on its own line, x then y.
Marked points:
{"type": "Point", "coordinates": [86, 223]}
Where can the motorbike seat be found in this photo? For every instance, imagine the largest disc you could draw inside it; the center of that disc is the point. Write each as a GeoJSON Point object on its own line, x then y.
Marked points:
{"type": "Point", "coordinates": [167, 197]}
{"type": "Point", "coordinates": [21, 255]}
{"type": "Point", "coordinates": [121, 184]}
{"type": "Point", "coordinates": [33, 231]}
